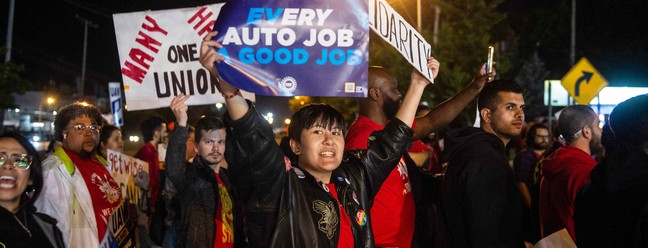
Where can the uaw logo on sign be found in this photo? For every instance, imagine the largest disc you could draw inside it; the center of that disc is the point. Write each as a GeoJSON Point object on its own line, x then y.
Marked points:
{"type": "Point", "coordinates": [295, 48]}
{"type": "Point", "coordinates": [288, 84]}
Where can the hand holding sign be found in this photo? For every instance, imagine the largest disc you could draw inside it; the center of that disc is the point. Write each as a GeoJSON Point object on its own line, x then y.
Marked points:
{"type": "Point", "coordinates": [236, 104]}
{"type": "Point", "coordinates": [418, 78]}
{"type": "Point", "coordinates": [209, 57]}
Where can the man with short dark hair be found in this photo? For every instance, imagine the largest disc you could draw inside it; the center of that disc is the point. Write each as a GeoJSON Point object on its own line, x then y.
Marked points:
{"type": "Point", "coordinates": [524, 167]}
{"type": "Point", "coordinates": [612, 210]}
{"type": "Point", "coordinates": [481, 201]}
{"type": "Point", "coordinates": [398, 218]}
{"type": "Point", "coordinates": [153, 131]}
{"type": "Point", "coordinates": [209, 216]}
{"type": "Point", "coordinates": [537, 141]}
{"type": "Point", "coordinates": [567, 170]}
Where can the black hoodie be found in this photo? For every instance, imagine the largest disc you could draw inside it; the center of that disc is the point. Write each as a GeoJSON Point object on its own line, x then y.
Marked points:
{"type": "Point", "coordinates": [481, 202]}
{"type": "Point", "coordinates": [612, 211]}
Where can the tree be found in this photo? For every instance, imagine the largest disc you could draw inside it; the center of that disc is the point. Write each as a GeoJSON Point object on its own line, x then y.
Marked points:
{"type": "Point", "coordinates": [531, 77]}
{"type": "Point", "coordinates": [464, 34]}
{"type": "Point", "coordinates": [10, 82]}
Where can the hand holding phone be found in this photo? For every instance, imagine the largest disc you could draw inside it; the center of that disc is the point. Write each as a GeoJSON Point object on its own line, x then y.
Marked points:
{"type": "Point", "coordinates": [489, 61]}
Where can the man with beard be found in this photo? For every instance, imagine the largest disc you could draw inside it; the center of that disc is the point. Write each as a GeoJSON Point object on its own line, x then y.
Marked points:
{"type": "Point", "coordinates": [537, 140]}
{"type": "Point", "coordinates": [209, 215]}
{"type": "Point", "coordinates": [78, 189]}
{"type": "Point", "coordinates": [153, 132]}
{"type": "Point", "coordinates": [524, 165]}
{"type": "Point", "coordinates": [481, 201]}
{"type": "Point", "coordinates": [567, 170]}
{"type": "Point", "coordinates": [396, 209]}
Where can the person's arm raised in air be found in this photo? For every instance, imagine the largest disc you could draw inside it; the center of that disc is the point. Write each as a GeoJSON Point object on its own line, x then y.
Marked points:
{"type": "Point", "coordinates": [236, 104]}
{"type": "Point", "coordinates": [444, 113]}
{"type": "Point", "coordinates": [176, 165]}
{"type": "Point", "coordinates": [388, 145]}
{"type": "Point", "coordinates": [256, 162]}
{"type": "Point", "coordinates": [407, 110]}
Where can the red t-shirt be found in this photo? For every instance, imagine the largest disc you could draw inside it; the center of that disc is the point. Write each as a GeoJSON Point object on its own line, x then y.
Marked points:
{"type": "Point", "coordinates": [224, 217]}
{"type": "Point", "coordinates": [346, 235]}
{"type": "Point", "coordinates": [149, 154]}
{"type": "Point", "coordinates": [394, 211]}
{"type": "Point", "coordinates": [104, 191]}
{"type": "Point", "coordinates": [419, 146]}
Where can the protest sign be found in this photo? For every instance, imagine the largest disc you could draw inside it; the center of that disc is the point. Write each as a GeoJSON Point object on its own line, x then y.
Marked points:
{"type": "Point", "coordinates": [114, 91]}
{"type": "Point", "coordinates": [389, 25]}
{"type": "Point", "coordinates": [292, 48]}
{"type": "Point", "coordinates": [131, 175]}
{"type": "Point", "coordinates": [159, 55]}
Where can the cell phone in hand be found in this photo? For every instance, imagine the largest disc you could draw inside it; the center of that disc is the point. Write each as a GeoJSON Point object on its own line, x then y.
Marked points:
{"type": "Point", "coordinates": [489, 61]}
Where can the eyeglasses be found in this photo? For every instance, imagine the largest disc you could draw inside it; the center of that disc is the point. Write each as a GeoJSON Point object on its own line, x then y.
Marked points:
{"type": "Point", "coordinates": [20, 161]}
{"type": "Point", "coordinates": [80, 128]}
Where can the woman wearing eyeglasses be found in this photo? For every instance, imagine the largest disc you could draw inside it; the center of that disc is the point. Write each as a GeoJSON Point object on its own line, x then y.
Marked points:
{"type": "Point", "coordinates": [79, 191]}
{"type": "Point", "coordinates": [21, 181]}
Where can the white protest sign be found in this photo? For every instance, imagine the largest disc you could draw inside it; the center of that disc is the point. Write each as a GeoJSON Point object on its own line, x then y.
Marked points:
{"type": "Point", "coordinates": [130, 173]}
{"type": "Point", "coordinates": [389, 25]}
{"type": "Point", "coordinates": [159, 55]}
{"type": "Point", "coordinates": [132, 176]}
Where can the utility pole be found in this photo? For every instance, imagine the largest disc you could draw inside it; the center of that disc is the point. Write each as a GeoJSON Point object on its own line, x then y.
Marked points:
{"type": "Point", "coordinates": [12, 5]}
{"type": "Point", "coordinates": [418, 15]}
{"type": "Point", "coordinates": [572, 45]}
{"type": "Point", "coordinates": [437, 18]}
{"type": "Point", "coordinates": [86, 23]}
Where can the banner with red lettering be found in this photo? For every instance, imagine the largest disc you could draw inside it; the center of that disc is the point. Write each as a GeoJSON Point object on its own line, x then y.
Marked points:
{"type": "Point", "coordinates": [159, 55]}
{"type": "Point", "coordinates": [132, 176]}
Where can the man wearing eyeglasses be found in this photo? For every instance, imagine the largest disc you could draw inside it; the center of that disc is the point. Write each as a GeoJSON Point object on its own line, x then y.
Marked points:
{"type": "Point", "coordinates": [567, 170]}
{"type": "Point", "coordinates": [78, 189]}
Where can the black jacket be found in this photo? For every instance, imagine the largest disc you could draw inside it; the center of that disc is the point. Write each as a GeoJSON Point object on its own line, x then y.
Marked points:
{"type": "Point", "coordinates": [612, 211]}
{"type": "Point", "coordinates": [481, 202]}
{"type": "Point", "coordinates": [198, 195]}
{"type": "Point", "coordinates": [290, 208]}
{"type": "Point", "coordinates": [42, 227]}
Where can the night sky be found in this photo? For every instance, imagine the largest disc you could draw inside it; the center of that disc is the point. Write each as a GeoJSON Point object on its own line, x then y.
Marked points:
{"type": "Point", "coordinates": [48, 38]}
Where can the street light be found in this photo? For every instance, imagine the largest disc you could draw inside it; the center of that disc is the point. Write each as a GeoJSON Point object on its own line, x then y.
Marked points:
{"type": "Point", "coordinates": [418, 13]}
{"type": "Point", "coordinates": [50, 100]}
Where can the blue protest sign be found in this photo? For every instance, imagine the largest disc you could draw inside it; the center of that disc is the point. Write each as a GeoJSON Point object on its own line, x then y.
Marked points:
{"type": "Point", "coordinates": [295, 48]}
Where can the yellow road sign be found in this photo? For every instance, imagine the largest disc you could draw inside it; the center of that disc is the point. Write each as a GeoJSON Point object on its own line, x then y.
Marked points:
{"type": "Point", "coordinates": [583, 81]}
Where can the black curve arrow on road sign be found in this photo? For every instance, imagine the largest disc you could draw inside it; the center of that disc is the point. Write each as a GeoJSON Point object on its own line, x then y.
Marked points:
{"type": "Point", "coordinates": [585, 77]}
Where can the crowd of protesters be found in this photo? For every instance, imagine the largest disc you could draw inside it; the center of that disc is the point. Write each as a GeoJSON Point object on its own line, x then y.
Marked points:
{"type": "Point", "coordinates": [397, 177]}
